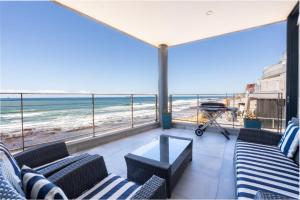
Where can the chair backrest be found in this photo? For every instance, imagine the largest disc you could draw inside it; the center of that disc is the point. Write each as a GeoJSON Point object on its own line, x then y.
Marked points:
{"type": "Point", "coordinates": [54, 151]}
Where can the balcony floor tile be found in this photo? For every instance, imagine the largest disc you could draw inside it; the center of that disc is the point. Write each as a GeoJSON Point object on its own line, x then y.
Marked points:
{"type": "Point", "coordinates": [209, 176]}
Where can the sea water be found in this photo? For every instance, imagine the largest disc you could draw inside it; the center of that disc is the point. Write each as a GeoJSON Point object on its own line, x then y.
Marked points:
{"type": "Point", "coordinates": [76, 113]}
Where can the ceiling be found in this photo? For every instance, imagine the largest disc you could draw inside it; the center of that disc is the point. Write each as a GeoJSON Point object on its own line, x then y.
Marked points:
{"type": "Point", "coordinates": [179, 22]}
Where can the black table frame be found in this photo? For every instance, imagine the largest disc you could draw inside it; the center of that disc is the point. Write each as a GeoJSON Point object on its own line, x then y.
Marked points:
{"type": "Point", "coordinates": [140, 169]}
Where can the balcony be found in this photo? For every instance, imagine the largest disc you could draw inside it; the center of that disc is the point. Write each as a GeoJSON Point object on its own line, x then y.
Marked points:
{"type": "Point", "coordinates": [208, 176]}
{"type": "Point", "coordinates": [115, 125]}
{"type": "Point", "coordinates": [124, 128]}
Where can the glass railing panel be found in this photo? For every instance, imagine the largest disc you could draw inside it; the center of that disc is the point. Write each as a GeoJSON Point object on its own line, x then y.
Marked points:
{"type": "Point", "coordinates": [112, 112]}
{"type": "Point", "coordinates": [184, 108]}
{"type": "Point", "coordinates": [144, 109]}
{"type": "Point", "coordinates": [53, 117]}
{"type": "Point", "coordinates": [11, 120]}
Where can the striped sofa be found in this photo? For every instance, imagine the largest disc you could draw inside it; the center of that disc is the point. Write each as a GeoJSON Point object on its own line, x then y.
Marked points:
{"type": "Point", "coordinates": [262, 170]}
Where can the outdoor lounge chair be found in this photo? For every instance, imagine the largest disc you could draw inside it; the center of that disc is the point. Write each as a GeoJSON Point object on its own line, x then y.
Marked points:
{"type": "Point", "coordinates": [262, 170]}
{"type": "Point", "coordinates": [88, 179]}
{"type": "Point", "coordinates": [82, 178]}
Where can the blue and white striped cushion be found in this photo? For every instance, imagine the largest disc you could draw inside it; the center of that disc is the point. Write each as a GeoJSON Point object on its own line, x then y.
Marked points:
{"type": "Point", "coordinates": [290, 140]}
{"type": "Point", "coordinates": [289, 125]}
{"type": "Point", "coordinates": [36, 186]}
{"type": "Point", "coordinates": [112, 187]}
{"type": "Point", "coordinates": [265, 168]}
{"type": "Point", "coordinates": [10, 167]}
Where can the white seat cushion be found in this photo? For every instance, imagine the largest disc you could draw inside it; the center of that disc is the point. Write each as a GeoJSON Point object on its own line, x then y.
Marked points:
{"type": "Point", "coordinates": [112, 187]}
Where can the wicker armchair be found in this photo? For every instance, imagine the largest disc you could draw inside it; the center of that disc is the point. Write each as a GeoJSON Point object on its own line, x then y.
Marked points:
{"type": "Point", "coordinates": [80, 176]}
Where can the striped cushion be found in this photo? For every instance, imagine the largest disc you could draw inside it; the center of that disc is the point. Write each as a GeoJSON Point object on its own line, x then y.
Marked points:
{"type": "Point", "coordinates": [36, 186]}
{"type": "Point", "coordinates": [10, 169]}
{"type": "Point", "coordinates": [265, 168]}
{"type": "Point", "coordinates": [289, 125]}
{"type": "Point", "coordinates": [111, 187]}
{"type": "Point", "coordinates": [290, 140]}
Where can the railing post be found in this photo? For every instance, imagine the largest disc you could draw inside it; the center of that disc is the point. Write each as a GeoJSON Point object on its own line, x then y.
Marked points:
{"type": "Point", "coordinates": [170, 102]}
{"type": "Point", "coordinates": [93, 103]}
{"type": "Point", "coordinates": [281, 108]}
{"type": "Point", "coordinates": [132, 123]}
{"type": "Point", "coordinates": [197, 109]}
{"type": "Point", "coordinates": [156, 117]}
{"type": "Point", "coordinates": [22, 122]}
{"type": "Point", "coordinates": [233, 114]}
{"type": "Point", "coordinates": [278, 107]}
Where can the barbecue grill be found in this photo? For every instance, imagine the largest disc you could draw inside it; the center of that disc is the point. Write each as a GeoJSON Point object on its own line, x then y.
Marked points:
{"type": "Point", "coordinates": [213, 110]}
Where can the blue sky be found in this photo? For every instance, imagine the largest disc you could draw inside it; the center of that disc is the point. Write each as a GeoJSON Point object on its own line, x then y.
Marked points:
{"type": "Point", "coordinates": [47, 47]}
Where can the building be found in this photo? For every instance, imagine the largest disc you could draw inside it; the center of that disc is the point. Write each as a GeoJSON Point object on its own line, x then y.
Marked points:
{"type": "Point", "coordinates": [268, 98]}
{"type": "Point", "coordinates": [273, 78]}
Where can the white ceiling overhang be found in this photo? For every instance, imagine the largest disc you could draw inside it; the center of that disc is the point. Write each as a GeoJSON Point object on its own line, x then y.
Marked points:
{"type": "Point", "coordinates": [179, 22]}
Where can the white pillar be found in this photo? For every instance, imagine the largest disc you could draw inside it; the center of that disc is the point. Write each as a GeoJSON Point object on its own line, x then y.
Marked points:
{"type": "Point", "coordinates": [162, 81]}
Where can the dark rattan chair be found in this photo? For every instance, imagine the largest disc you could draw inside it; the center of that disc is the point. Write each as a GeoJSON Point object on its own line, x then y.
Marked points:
{"type": "Point", "coordinates": [81, 176]}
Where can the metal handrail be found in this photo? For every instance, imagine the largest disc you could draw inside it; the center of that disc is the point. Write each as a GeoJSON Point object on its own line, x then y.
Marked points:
{"type": "Point", "coordinates": [77, 93]}
{"type": "Point", "coordinates": [93, 96]}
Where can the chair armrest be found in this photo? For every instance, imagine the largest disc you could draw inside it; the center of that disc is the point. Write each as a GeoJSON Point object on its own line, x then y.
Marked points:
{"type": "Point", "coordinates": [80, 176]}
{"type": "Point", "coordinates": [262, 195]}
{"type": "Point", "coordinates": [50, 169]}
{"type": "Point", "coordinates": [42, 155]}
{"type": "Point", "coordinates": [154, 188]}
{"type": "Point", "coordinates": [259, 136]}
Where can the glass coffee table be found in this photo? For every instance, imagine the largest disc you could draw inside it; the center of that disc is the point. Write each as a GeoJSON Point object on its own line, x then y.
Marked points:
{"type": "Point", "coordinates": [166, 157]}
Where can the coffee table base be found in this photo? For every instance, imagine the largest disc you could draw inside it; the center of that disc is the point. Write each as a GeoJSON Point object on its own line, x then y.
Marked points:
{"type": "Point", "coordinates": [140, 169]}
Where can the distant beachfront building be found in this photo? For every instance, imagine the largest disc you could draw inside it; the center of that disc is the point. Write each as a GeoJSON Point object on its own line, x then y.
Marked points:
{"type": "Point", "coordinates": [273, 79]}
{"type": "Point", "coordinates": [267, 96]}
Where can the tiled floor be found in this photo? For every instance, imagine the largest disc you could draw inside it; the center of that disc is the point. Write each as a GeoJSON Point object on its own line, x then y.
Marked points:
{"type": "Point", "coordinates": [209, 176]}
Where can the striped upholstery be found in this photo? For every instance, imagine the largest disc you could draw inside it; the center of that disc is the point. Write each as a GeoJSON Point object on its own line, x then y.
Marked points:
{"type": "Point", "coordinates": [111, 187]}
{"type": "Point", "coordinates": [290, 140]}
{"type": "Point", "coordinates": [36, 186]}
{"type": "Point", "coordinates": [10, 168]}
{"type": "Point", "coordinates": [265, 168]}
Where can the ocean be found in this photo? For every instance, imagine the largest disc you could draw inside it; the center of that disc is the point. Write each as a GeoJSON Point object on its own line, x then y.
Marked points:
{"type": "Point", "coordinates": [75, 113]}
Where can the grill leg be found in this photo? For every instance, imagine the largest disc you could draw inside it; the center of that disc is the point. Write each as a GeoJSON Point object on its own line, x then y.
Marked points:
{"type": "Point", "coordinates": [217, 125]}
